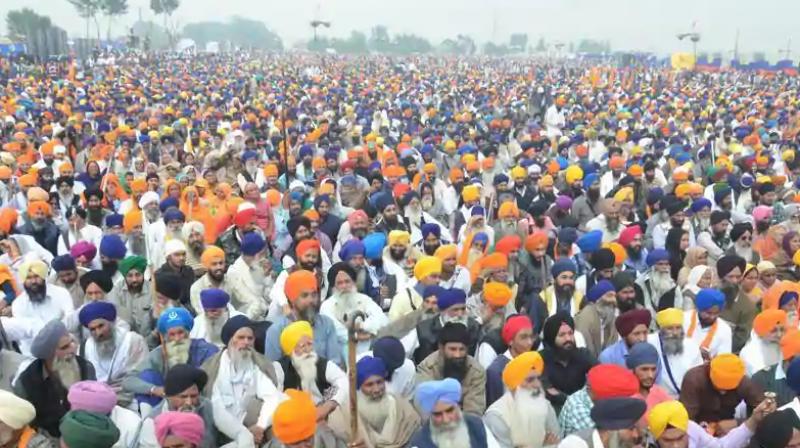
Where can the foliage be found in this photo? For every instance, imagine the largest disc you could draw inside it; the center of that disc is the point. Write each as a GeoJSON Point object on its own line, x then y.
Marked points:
{"type": "Point", "coordinates": [593, 46]}
{"type": "Point", "coordinates": [24, 21]}
{"type": "Point", "coordinates": [379, 39]}
{"type": "Point", "coordinates": [239, 31]}
{"type": "Point", "coordinates": [88, 9]}
{"type": "Point", "coordinates": [166, 7]}
{"type": "Point", "coordinates": [111, 9]}
{"type": "Point", "coordinates": [518, 42]}
{"type": "Point", "coordinates": [410, 44]}
{"type": "Point", "coordinates": [541, 46]}
{"type": "Point", "coordinates": [493, 49]}
{"type": "Point", "coordinates": [158, 36]}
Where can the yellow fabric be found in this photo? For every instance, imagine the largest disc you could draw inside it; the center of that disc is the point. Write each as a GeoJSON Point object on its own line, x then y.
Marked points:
{"type": "Point", "coordinates": [446, 251]}
{"type": "Point", "coordinates": [518, 172]}
{"type": "Point", "coordinates": [518, 368]}
{"type": "Point", "coordinates": [669, 317]}
{"type": "Point", "coordinates": [665, 414]}
{"type": "Point", "coordinates": [399, 237]}
{"type": "Point", "coordinates": [293, 333]}
{"type": "Point", "coordinates": [573, 174]}
{"type": "Point", "coordinates": [210, 254]}
{"type": "Point", "coordinates": [471, 193]}
{"type": "Point", "coordinates": [727, 371]}
{"type": "Point", "coordinates": [37, 267]}
{"type": "Point", "coordinates": [496, 294]}
{"type": "Point", "coordinates": [427, 266]}
{"type": "Point", "coordinates": [507, 210]}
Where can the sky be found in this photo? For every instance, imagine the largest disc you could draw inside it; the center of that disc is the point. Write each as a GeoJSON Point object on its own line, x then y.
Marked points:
{"type": "Point", "coordinates": [643, 25]}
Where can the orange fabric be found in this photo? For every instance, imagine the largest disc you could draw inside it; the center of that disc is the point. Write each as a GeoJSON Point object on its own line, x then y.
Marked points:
{"type": "Point", "coordinates": [132, 219]}
{"type": "Point", "coordinates": [767, 320]}
{"type": "Point", "coordinates": [297, 282]}
{"type": "Point", "coordinates": [198, 212]}
{"type": "Point", "coordinates": [6, 276]}
{"type": "Point", "coordinates": [307, 245]}
{"type": "Point", "coordinates": [536, 240]}
{"type": "Point", "coordinates": [711, 332]}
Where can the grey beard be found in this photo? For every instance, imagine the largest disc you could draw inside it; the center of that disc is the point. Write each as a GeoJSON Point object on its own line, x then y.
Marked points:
{"type": "Point", "coordinates": [374, 412]}
{"type": "Point", "coordinates": [138, 245]}
{"type": "Point", "coordinates": [241, 359]}
{"type": "Point", "coordinates": [67, 371]}
{"type": "Point", "coordinates": [661, 283]}
{"type": "Point", "coordinates": [306, 366]}
{"type": "Point", "coordinates": [450, 435]}
{"type": "Point", "coordinates": [744, 252]}
{"type": "Point", "coordinates": [772, 353]}
{"type": "Point", "coordinates": [105, 349]}
{"type": "Point", "coordinates": [672, 346]}
{"type": "Point", "coordinates": [152, 215]}
{"type": "Point", "coordinates": [214, 332]}
{"type": "Point", "coordinates": [177, 353]}
{"type": "Point", "coordinates": [607, 314]}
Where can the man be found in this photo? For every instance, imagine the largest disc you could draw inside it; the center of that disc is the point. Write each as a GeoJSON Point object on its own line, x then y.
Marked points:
{"type": "Point", "coordinates": [608, 221]}
{"type": "Point", "coordinates": [216, 312]}
{"type": "Point", "coordinates": [399, 261]}
{"type": "Point", "coordinates": [739, 310]}
{"type": "Point", "coordinates": [112, 350]}
{"type": "Point", "coordinates": [595, 320]}
{"type": "Point", "coordinates": [452, 361]}
{"type": "Point", "coordinates": [742, 238]}
{"type": "Point", "coordinates": [41, 226]}
{"type": "Point", "coordinates": [705, 327]}
{"type": "Point", "coordinates": [445, 425]}
{"type": "Point", "coordinates": [566, 365]}
{"type": "Point", "coordinates": [632, 239]}
{"type": "Point", "coordinates": [135, 238]}
{"type": "Point", "coordinates": [194, 234]}
{"type": "Point", "coordinates": [763, 349]}
{"type": "Point", "coordinates": [560, 296]}
{"type": "Point", "coordinates": [353, 253]}
{"type": "Point", "coordinates": [400, 371]}
{"type": "Point", "coordinates": [586, 206]}
{"type": "Point", "coordinates": [345, 300]}
{"type": "Point", "coordinates": [452, 306]}
{"type": "Point", "coordinates": [644, 362]}
{"type": "Point", "coordinates": [615, 424]}
{"type": "Point", "coordinates": [715, 238]}
{"type": "Point", "coordinates": [175, 253]}
{"type": "Point", "coordinates": [389, 214]}
{"type": "Point", "coordinates": [712, 391]}
{"type": "Point", "coordinates": [659, 289]}
{"type": "Point", "coordinates": [242, 379]}
{"type": "Point", "coordinates": [523, 416]}
{"type": "Point", "coordinates": [453, 275]}
{"type": "Point", "coordinates": [182, 389]}
{"type": "Point", "coordinates": [82, 429]}
{"type": "Point", "coordinates": [329, 223]}
{"type": "Point", "coordinates": [180, 429]}
{"type": "Point", "coordinates": [230, 240]}
{"type": "Point", "coordinates": [310, 261]}
{"type": "Point", "coordinates": [632, 327]}
{"type": "Point", "coordinates": [603, 381]}
{"type": "Point", "coordinates": [536, 261]}
{"type": "Point", "coordinates": [302, 368]}
{"type": "Point", "coordinates": [16, 416]}
{"type": "Point", "coordinates": [675, 209]}
{"type": "Point", "coordinates": [248, 277]}
{"type": "Point", "coordinates": [627, 291]}
{"type": "Point", "coordinates": [67, 276]}
{"type": "Point", "coordinates": [385, 420]}
{"type": "Point", "coordinates": [295, 424]}
{"type": "Point", "coordinates": [100, 398]}
{"type": "Point", "coordinates": [603, 263]}
{"type": "Point", "coordinates": [112, 251]}
{"type": "Point", "coordinates": [774, 378]}
{"type": "Point", "coordinates": [213, 260]}
{"type": "Point", "coordinates": [677, 353]}
{"type": "Point", "coordinates": [302, 291]}
{"type": "Point", "coordinates": [133, 295]}
{"type": "Point", "coordinates": [78, 230]}
{"type": "Point", "coordinates": [40, 301]}
{"type": "Point", "coordinates": [518, 335]}
{"type": "Point", "coordinates": [175, 348]}
{"type": "Point", "coordinates": [46, 380]}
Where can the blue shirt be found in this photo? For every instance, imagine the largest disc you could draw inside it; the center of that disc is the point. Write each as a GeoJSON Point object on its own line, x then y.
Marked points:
{"type": "Point", "coordinates": [326, 343]}
{"type": "Point", "coordinates": [615, 354]}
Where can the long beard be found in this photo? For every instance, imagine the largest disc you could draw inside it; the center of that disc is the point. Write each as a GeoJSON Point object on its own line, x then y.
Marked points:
{"type": "Point", "coordinates": [450, 435]}
{"type": "Point", "coordinates": [771, 352]}
{"type": "Point", "coordinates": [607, 313]}
{"type": "Point", "coordinates": [214, 333]}
{"type": "Point", "coordinates": [345, 303]}
{"type": "Point", "coordinates": [177, 352]}
{"type": "Point", "coordinates": [374, 412]}
{"type": "Point", "coordinates": [241, 359]}
{"type": "Point", "coordinates": [106, 348]}
{"type": "Point", "coordinates": [506, 228]}
{"type": "Point", "coordinates": [67, 371]}
{"type": "Point", "coordinates": [744, 252]}
{"type": "Point", "coordinates": [306, 367]}
{"type": "Point", "coordinates": [414, 216]}
{"type": "Point", "coordinates": [137, 244]}
{"type": "Point", "coordinates": [36, 293]}
{"type": "Point", "coordinates": [528, 423]}
{"type": "Point", "coordinates": [661, 282]}
{"type": "Point", "coordinates": [455, 368]}
{"type": "Point", "coordinates": [672, 345]}
{"type": "Point", "coordinates": [612, 224]}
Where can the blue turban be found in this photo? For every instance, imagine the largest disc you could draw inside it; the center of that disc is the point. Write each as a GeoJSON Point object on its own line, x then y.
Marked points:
{"type": "Point", "coordinates": [449, 297]}
{"type": "Point", "coordinates": [296, 196]}
{"type": "Point", "coordinates": [747, 180]}
{"type": "Point", "coordinates": [167, 203]}
{"type": "Point", "coordinates": [383, 200]}
{"type": "Point", "coordinates": [114, 220]}
{"type": "Point", "coordinates": [175, 317]}
{"type": "Point", "coordinates": [97, 310]}
{"type": "Point", "coordinates": [391, 351]}
{"type": "Point", "coordinates": [373, 245]}
{"type": "Point", "coordinates": [63, 263]}
{"type": "Point", "coordinates": [113, 247]}
{"type": "Point", "coordinates": [721, 193]}
{"type": "Point", "coordinates": [320, 199]}
{"type": "Point", "coordinates": [590, 241]}
{"type": "Point", "coordinates": [641, 353]}
{"type": "Point", "coordinates": [252, 243]}
{"type": "Point", "coordinates": [787, 297]}
{"type": "Point", "coordinates": [500, 179]}
{"type": "Point", "coordinates": [567, 235]}
{"type": "Point", "coordinates": [214, 299]}
{"type": "Point", "coordinates": [429, 228]}
{"type": "Point", "coordinates": [589, 180]}
{"type": "Point", "coordinates": [426, 149]}
{"type": "Point", "coordinates": [793, 375]}
{"type": "Point", "coordinates": [477, 211]}
{"type": "Point", "coordinates": [481, 237]}
{"type": "Point", "coordinates": [349, 180]}
{"type": "Point", "coordinates": [432, 290]}
{"type": "Point", "coordinates": [429, 393]}
{"type": "Point", "coordinates": [654, 195]}
{"type": "Point", "coordinates": [563, 265]}
{"type": "Point", "coordinates": [306, 150]}
{"type": "Point", "coordinates": [700, 204]}
{"type": "Point", "coordinates": [367, 367]}
{"type": "Point", "coordinates": [352, 248]}
{"type": "Point", "coordinates": [599, 290]}
{"type": "Point", "coordinates": [248, 155]}
{"type": "Point", "coordinates": [332, 155]}
{"type": "Point", "coordinates": [709, 298]}
{"type": "Point", "coordinates": [173, 214]}
{"type": "Point", "coordinates": [657, 255]}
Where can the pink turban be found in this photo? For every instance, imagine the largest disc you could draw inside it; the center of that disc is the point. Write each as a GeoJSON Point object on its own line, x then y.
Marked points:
{"type": "Point", "coordinates": [356, 216]}
{"type": "Point", "coordinates": [83, 248]}
{"type": "Point", "coordinates": [187, 426]}
{"type": "Point", "coordinates": [92, 396]}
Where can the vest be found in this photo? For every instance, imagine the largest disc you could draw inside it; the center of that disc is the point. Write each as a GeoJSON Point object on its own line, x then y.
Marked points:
{"type": "Point", "coordinates": [428, 337]}
{"type": "Point", "coordinates": [495, 340]}
{"type": "Point", "coordinates": [477, 434]}
{"type": "Point", "coordinates": [291, 379]}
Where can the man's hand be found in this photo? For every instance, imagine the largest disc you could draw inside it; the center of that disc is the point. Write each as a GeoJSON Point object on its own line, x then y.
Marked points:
{"type": "Point", "coordinates": [157, 391]}
{"type": "Point", "coordinates": [324, 409]}
{"type": "Point", "coordinates": [258, 434]}
{"type": "Point", "coordinates": [763, 409]}
{"type": "Point", "coordinates": [551, 439]}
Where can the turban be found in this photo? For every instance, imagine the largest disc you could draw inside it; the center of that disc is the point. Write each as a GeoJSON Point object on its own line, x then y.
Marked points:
{"type": "Point", "coordinates": [553, 324]}
{"type": "Point", "coordinates": [599, 289]}
{"type": "Point", "coordinates": [674, 206]}
{"type": "Point", "coordinates": [148, 198]}
{"type": "Point", "coordinates": [97, 310]}
{"type": "Point", "coordinates": [244, 217]}
{"type": "Point", "coordinates": [602, 259]}
{"type": "Point", "coordinates": [233, 325]}
{"type": "Point", "coordinates": [38, 206]}
{"type": "Point", "coordinates": [183, 376]}
{"type": "Point", "coordinates": [175, 317]}
{"type": "Point", "coordinates": [427, 266]}
{"type": "Point", "coordinates": [667, 414]}
{"type": "Point", "coordinates": [307, 245]}
{"type": "Point", "coordinates": [717, 216]}
{"type": "Point", "coordinates": [496, 294]}
{"type": "Point", "coordinates": [382, 201]}
{"type": "Point", "coordinates": [495, 260]}
{"type": "Point", "coordinates": [214, 299]}
{"type": "Point", "coordinates": [449, 297]}
{"type": "Point", "coordinates": [453, 332]}
{"type": "Point", "coordinates": [520, 367]}
{"type": "Point", "coordinates": [133, 262]}
{"type": "Point", "coordinates": [790, 344]}
{"type": "Point", "coordinates": [430, 228]}
{"type": "Point", "coordinates": [700, 204]}
{"type": "Point", "coordinates": [708, 298]}
{"type": "Point", "coordinates": [83, 248]}
{"type": "Point", "coordinates": [765, 265]}
{"type": "Point", "coordinates": [567, 235]}
{"type": "Point", "coordinates": [508, 210]}
{"type": "Point", "coordinates": [168, 284]}
{"type": "Point", "coordinates": [295, 419]}
{"type": "Point", "coordinates": [508, 244]}
{"type": "Point", "coordinates": [514, 324]}
{"type": "Point", "coordinates": [297, 282]}
{"type": "Point", "coordinates": [762, 213]}
{"type": "Point", "coordinates": [293, 333]}
{"type": "Point", "coordinates": [252, 243]}
{"type": "Point", "coordinates": [739, 229]}
{"type": "Point", "coordinates": [92, 396]}
{"type": "Point", "coordinates": [210, 255]}
{"type": "Point", "coordinates": [294, 224]}
{"type": "Point", "coordinates": [399, 237]}
{"type": "Point", "coordinates": [99, 278]}
{"type": "Point", "coordinates": [617, 413]}
{"type": "Point", "coordinates": [573, 174]}
{"type": "Point", "coordinates": [113, 247]}
{"type": "Point", "coordinates": [186, 426]}
{"type": "Point", "coordinates": [63, 263]}
{"type": "Point", "coordinates": [670, 317]}
{"type": "Point", "coordinates": [629, 320]}
{"type": "Point", "coordinates": [728, 263]}
{"type": "Point", "coordinates": [642, 353]}
{"type": "Point", "coordinates": [470, 193]}
{"type": "Point", "coordinates": [563, 265]}
{"type": "Point", "coordinates": [767, 320]}
{"type": "Point", "coordinates": [341, 266]}
{"type": "Point", "coordinates": [36, 194]}
{"type": "Point", "coordinates": [429, 393]}
{"type": "Point", "coordinates": [174, 246]}
{"type": "Point", "coordinates": [367, 367]}
{"type": "Point", "coordinates": [793, 375]}
{"type": "Point", "coordinates": [352, 248]}
{"type": "Point", "coordinates": [536, 241]}
{"type": "Point", "coordinates": [655, 256]}
{"type": "Point", "coordinates": [628, 234]}
{"type": "Point", "coordinates": [88, 430]}
{"type": "Point", "coordinates": [173, 214]}
{"type": "Point", "coordinates": [590, 241]}
{"type": "Point", "coordinates": [446, 251]}
{"type": "Point", "coordinates": [611, 381]}
{"type": "Point", "coordinates": [46, 341]}
{"type": "Point", "coordinates": [391, 351]}
{"type": "Point", "coordinates": [115, 220]}
{"type": "Point", "coordinates": [358, 215]}
{"type": "Point", "coordinates": [14, 411]}
{"type": "Point", "coordinates": [590, 180]}
{"type": "Point", "coordinates": [726, 371]}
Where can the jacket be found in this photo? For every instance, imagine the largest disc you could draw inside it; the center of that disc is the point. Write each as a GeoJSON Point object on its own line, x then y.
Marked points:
{"type": "Point", "coordinates": [473, 386]}
{"type": "Point", "coordinates": [587, 322]}
{"type": "Point", "coordinates": [428, 337]}
{"type": "Point", "coordinates": [47, 236]}
{"type": "Point", "coordinates": [187, 278]}
{"type": "Point", "coordinates": [199, 352]}
{"type": "Point", "coordinates": [229, 242]}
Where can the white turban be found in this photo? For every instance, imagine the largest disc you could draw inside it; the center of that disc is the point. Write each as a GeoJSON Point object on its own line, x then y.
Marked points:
{"type": "Point", "coordinates": [150, 196]}
{"type": "Point", "coordinates": [173, 246]}
{"type": "Point", "coordinates": [14, 411]}
{"type": "Point", "coordinates": [191, 227]}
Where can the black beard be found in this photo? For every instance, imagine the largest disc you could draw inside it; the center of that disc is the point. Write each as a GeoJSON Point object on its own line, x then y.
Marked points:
{"type": "Point", "coordinates": [217, 275]}
{"type": "Point", "coordinates": [593, 194]}
{"type": "Point", "coordinates": [564, 291]}
{"type": "Point", "coordinates": [308, 266]}
{"type": "Point", "coordinates": [455, 368]}
{"type": "Point", "coordinates": [36, 292]}
{"type": "Point", "coordinates": [675, 224]}
{"type": "Point", "coordinates": [549, 197]}
{"type": "Point", "coordinates": [430, 249]}
{"type": "Point", "coordinates": [634, 252]}
{"type": "Point", "coordinates": [94, 216]}
{"type": "Point", "coordinates": [135, 287]}
{"type": "Point", "coordinates": [626, 305]}
{"type": "Point", "coordinates": [397, 255]}
{"type": "Point", "coordinates": [762, 226]}
{"type": "Point", "coordinates": [731, 290]}
{"type": "Point", "coordinates": [110, 267]}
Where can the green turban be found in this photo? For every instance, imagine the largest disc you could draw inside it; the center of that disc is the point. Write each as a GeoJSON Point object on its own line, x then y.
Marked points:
{"type": "Point", "coordinates": [132, 262]}
{"type": "Point", "coordinates": [83, 429]}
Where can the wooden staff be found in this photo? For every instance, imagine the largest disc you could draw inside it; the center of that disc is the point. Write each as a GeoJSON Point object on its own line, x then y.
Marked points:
{"type": "Point", "coordinates": [351, 320]}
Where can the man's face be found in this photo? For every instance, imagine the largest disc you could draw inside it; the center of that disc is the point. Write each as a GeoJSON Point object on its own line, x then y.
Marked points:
{"type": "Point", "coordinates": [745, 240]}
{"type": "Point", "coordinates": [94, 202]}
{"type": "Point", "coordinates": [565, 282]}
{"type": "Point", "coordinates": [374, 387]}
{"type": "Point", "coordinates": [676, 438]}
{"type": "Point", "coordinates": [630, 438]}
{"type": "Point", "coordinates": [309, 259]}
{"type": "Point", "coordinates": [390, 213]}
{"type": "Point", "coordinates": [134, 279]}
{"type": "Point", "coordinates": [639, 334]}
{"type": "Point", "coordinates": [449, 264]}
{"type": "Point", "coordinates": [177, 259]}
{"type": "Point", "coordinates": [454, 350]}
{"type": "Point", "coordinates": [175, 225]}
{"type": "Point", "coordinates": [177, 334]}
{"type": "Point", "coordinates": [323, 208]}
{"type": "Point", "coordinates": [65, 189]}
{"type": "Point", "coordinates": [677, 219]}
{"type": "Point", "coordinates": [243, 339]}
{"type": "Point", "coordinates": [216, 269]}
{"type": "Point", "coordinates": [303, 233]}
{"type": "Point", "coordinates": [94, 293]}
{"type": "Point", "coordinates": [774, 336]}
{"type": "Point", "coordinates": [398, 251]}
{"type": "Point", "coordinates": [565, 338]}
{"type": "Point", "coordinates": [306, 301]}
{"type": "Point", "coordinates": [522, 341]}
{"type": "Point", "coordinates": [646, 373]}
{"type": "Point", "coordinates": [196, 238]}
{"type": "Point", "coordinates": [636, 243]}
{"type": "Point", "coordinates": [100, 330]}
{"type": "Point", "coordinates": [721, 227]}
{"type": "Point", "coordinates": [186, 401]}
{"type": "Point", "coordinates": [709, 316]}
{"type": "Point", "coordinates": [344, 283]}
{"type": "Point", "coordinates": [431, 243]}
{"type": "Point", "coordinates": [65, 349]}
{"type": "Point", "coordinates": [68, 277]}
{"type": "Point", "coordinates": [34, 282]}
{"type": "Point", "coordinates": [769, 198]}
{"type": "Point", "coordinates": [445, 415]}
{"type": "Point", "coordinates": [662, 267]}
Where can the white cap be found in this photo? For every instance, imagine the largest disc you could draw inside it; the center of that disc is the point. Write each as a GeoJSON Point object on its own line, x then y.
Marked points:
{"type": "Point", "coordinates": [147, 198]}
{"type": "Point", "coordinates": [174, 246]}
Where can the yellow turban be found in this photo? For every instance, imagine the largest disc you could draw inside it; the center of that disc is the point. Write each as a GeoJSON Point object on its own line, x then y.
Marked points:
{"type": "Point", "coordinates": [399, 237]}
{"type": "Point", "coordinates": [518, 172]}
{"type": "Point", "coordinates": [427, 266]}
{"type": "Point", "coordinates": [546, 181]}
{"type": "Point", "coordinates": [132, 219]}
{"type": "Point", "coordinates": [670, 317]}
{"type": "Point", "coordinates": [520, 367]}
{"type": "Point", "coordinates": [574, 173]}
{"type": "Point", "coordinates": [665, 414]}
{"type": "Point", "coordinates": [446, 251]}
{"type": "Point", "coordinates": [210, 254]}
{"type": "Point", "coordinates": [292, 334]}
{"type": "Point", "coordinates": [471, 193]}
{"type": "Point", "coordinates": [726, 371]}
{"type": "Point", "coordinates": [508, 210]}
{"type": "Point", "coordinates": [624, 194]}
{"type": "Point", "coordinates": [37, 267]}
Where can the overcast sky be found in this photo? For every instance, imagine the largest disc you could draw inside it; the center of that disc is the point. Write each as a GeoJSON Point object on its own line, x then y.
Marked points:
{"type": "Point", "coordinates": [648, 25]}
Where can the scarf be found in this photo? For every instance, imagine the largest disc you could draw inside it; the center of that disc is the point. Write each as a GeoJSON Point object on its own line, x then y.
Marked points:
{"type": "Point", "coordinates": [711, 332]}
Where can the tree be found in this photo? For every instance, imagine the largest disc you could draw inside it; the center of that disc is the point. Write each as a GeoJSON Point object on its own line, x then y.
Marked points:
{"type": "Point", "coordinates": [410, 44]}
{"type": "Point", "coordinates": [518, 42]}
{"type": "Point", "coordinates": [239, 31]}
{"type": "Point", "coordinates": [379, 39]}
{"type": "Point", "coordinates": [111, 9]}
{"type": "Point", "coordinates": [25, 21]}
{"type": "Point", "coordinates": [87, 10]}
{"type": "Point", "coordinates": [541, 46]}
{"type": "Point", "coordinates": [165, 8]}
{"type": "Point", "coordinates": [492, 49]}
{"type": "Point", "coordinates": [759, 56]}
{"type": "Point", "coordinates": [593, 46]}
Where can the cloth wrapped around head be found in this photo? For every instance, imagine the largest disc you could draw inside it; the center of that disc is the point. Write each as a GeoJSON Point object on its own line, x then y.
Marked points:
{"type": "Point", "coordinates": [611, 380]}
{"type": "Point", "coordinates": [665, 415]}
{"type": "Point", "coordinates": [295, 419]}
{"type": "Point", "coordinates": [88, 430]}
{"type": "Point", "coordinates": [726, 371]}
{"type": "Point", "coordinates": [293, 333]}
{"type": "Point", "coordinates": [186, 426]}
{"type": "Point", "coordinates": [520, 367]}
{"type": "Point", "coordinates": [15, 412]}
{"type": "Point", "coordinates": [430, 393]}
{"type": "Point", "coordinates": [92, 396]}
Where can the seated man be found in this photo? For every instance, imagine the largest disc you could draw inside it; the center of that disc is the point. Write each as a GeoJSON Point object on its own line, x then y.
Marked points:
{"type": "Point", "coordinates": [518, 336]}
{"type": "Point", "coordinates": [211, 317]}
{"type": "Point", "coordinates": [40, 300]}
{"type": "Point", "coordinates": [452, 361]}
{"type": "Point", "coordinates": [603, 381]}
{"type": "Point", "coordinates": [632, 327]}
{"type": "Point", "coordinates": [100, 398]}
{"type": "Point", "coordinates": [16, 417]}
{"type": "Point", "coordinates": [565, 365]}
{"type": "Point", "coordinates": [704, 326]}
{"type": "Point", "coordinates": [83, 429]}
{"type": "Point", "coordinates": [400, 370]}
{"type": "Point", "coordinates": [676, 352]}
{"type": "Point", "coordinates": [294, 424]}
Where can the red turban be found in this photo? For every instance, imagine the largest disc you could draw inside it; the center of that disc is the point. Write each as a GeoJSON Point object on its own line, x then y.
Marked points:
{"type": "Point", "coordinates": [514, 325]}
{"type": "Point", "coordinates": [628, 320]}
{"type": "Point", "coordinates": [244, 217]}
{"type": "Point", "coordinates": [628, 234]}
{"type": "Point", "coordinates": [611, 381]}
{"type": "Point", "coordinates": [508, 244]}
{"type": "Point", "coordinates": [305, 246]}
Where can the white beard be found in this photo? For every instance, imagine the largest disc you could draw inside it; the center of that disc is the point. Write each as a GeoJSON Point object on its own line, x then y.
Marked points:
{"type": "Point", "coordinates": [771, 352]}
{"type": "Point", "coordinates": [306, 366]}
{"type": "Point", "coordinates": [106, 349]}
{"type": "Point", "coordinates": [531, 413]}
{"type": "Point", "coordinates": [374, 412]}
{"type": "Point", "coordinates": [241, 359]}
{"type": "Point", "coordinates": [744, 252]}
{"type": "Point", "coordinates": [345, 304]}
{"type": "Point", "coordinates": [67, 371]}
{"type": "Point", "coordinates": [450, 435]}
{"type": "Point", "coordinates": [177, 352]}
{"type": "Point", "coordinates": [414, 216]}
{"type": "Point", "coordinates": [661, 283]}
{"type": "Point", "coordinates": [214, 328]}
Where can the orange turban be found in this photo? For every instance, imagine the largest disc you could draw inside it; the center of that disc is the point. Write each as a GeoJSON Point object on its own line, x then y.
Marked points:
{"type": "Point", "coordinates": [27, 180]}
{"type": "Point", "coordinates": [508, 210]}
{"type": "Point", "coordinates": [636, 170]}
{"type": "Point", "coordinates": [307, 245]}
{"type": "Point", "coordinates": [546, 181]}
{"type": "Point", "coordinates": [616, 162]}
{"type": "Point", "coordinates": [295, 419]}
{"type": "Point", "coordinates": [8, 219]}
{"type": "Point", "coordinates": [620, 254]}
{"type": "Point", "coordinates": [132, 219]}
{"type": "Point", "coordinates": [210, 255]}
{"type": "Point", "coordinates": [311, 214]}
{"type": "Point", "coordinates": [138, 186]}
{"type": "Point", "coordinates": [270, 170]}
{"type": "Point", "coordinates": [299, 281]}
{"type": "Point", "coordinates": [726, 371]}
{"type": "Point", "coordinates": [5, 172]}
{"type": "Point", "coordinates": [455, 175]}
{"type": "Point", "coordinates": [497, 294]}
{"type": "Point", "coordinates": [494, 261]}
{"type": "Point", "coordinates": [680, 175]}
{"type": "Point", "coordinates": [520, 367]}
{"type": "Point", "coordinates": [767, 320]}
{"type": "Point", "coordinates": [508, 244]}
{"type": "Point", "coordinates": [273, 197]}
{"type": "Point", "coordinates": [536, 240]}
{"type": "Point", "coordinates": [790, 344]}
{"type": "Point", "coordinates": [446, 251]}
{"type": "Point", "coordinates": [37, 206]}
{"type": "Point", "coordinates": [37, 194]}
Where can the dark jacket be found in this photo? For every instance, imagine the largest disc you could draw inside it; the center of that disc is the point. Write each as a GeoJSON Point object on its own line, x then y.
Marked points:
{"type": "Point", "coordinates": [330, 226]}
{"type": "Point", "coordinates": [47, 236]}
{"type": "Point", "coordinates": [428, 337]}
{"type": "Point", "coordinates": [494, 379]}
{"type": "Point", "coordinates": [229, 242]}
{"type": "Point", "coordinates": [186, 275]}
{"type": "Point", "coordinates": [705, 404]}
{"type": "Point", "coordinates": [766, 380]}
{"type": "Point", "coordinates": [477, 434]}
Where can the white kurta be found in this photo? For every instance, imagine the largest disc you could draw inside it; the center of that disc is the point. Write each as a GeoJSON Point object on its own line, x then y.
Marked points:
{"type": "Point", "coordinates": [57, 305]}
{"type": "Point", "coordinates": [334, 375]}
{"type": "Point", "coordinates": [723, 338]}
{"type": "Point", "coordinates": [678, 364]}
{"type": "Point", "coordinates": [754, 355]}
{"type": "Point", "coordinates": [131, 349]}
{"type": "Point", "coordinates": [128, 423]}
{"type": "Point", "coordinates": [234, 390]}
{"type": "Point", "coordinates": [375, 318]}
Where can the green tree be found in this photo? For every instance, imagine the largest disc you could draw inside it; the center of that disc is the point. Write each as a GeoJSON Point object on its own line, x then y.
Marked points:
{"type": "Point", "coordinates": [239, 31]}
{"type": "Point", "coordinates": [379, 39]}
{"type": "Point", "coordinates": [165, 8]}
{"type": "Point", "coordinates": [112, 9]}
{"type": "Point", "coordinates": [492, 49]}
{"type": "Point", "coordinates": [411, 44]}
{"type": "Point", "coordinates": [518, 42]}
{"type": "Point", "coordinates": [87, 10]}
{"type": "Point", "coordinates": [759, 56]}
{"type": "Point", "coordinates": [541, 46]}
{"type": "Point", "coordinates": [20, 23]}
{"type": "Point", "coordinates": [593, 46]}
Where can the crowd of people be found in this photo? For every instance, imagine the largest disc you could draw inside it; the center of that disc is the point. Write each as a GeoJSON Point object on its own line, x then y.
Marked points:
{"type": "Point", "coordinates": [368, 252]}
